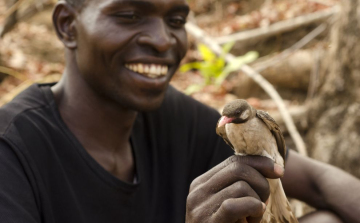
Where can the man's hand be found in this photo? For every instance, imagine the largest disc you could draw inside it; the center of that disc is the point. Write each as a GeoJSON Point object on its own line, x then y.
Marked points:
{"type": "Point", "coordinates": [232, 191]}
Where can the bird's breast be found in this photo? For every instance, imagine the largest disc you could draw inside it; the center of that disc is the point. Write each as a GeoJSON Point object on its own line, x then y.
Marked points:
{"type": "Point", "coordinates": [251, 137]}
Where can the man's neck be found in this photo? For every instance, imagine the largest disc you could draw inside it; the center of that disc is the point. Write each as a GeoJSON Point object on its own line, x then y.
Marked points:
{"type": "Point", "coordinates": [102, 127]}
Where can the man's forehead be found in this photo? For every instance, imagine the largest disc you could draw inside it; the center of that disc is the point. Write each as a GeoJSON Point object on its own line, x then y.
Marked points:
{"type": "Point", "coordinates": [150, 1]}
{"type": "Point", "coordinates": [145, 3]}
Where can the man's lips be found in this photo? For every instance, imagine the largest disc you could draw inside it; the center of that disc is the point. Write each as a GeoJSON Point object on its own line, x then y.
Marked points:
{"type": "Point", "coordinates": [150, 70]}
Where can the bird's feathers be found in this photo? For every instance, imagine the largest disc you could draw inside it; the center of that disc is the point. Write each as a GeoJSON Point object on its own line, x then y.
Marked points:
{"type": "Point", "coordinates": [222, 132]}
{"type": "Point", "coordinates": [275, 130]}
{"type": "Point", "coordinates": [252, 138]}
{"type": "Point", "coordinates": [254, 132]}
{"type": "Point", "coordinates": [278, 208]}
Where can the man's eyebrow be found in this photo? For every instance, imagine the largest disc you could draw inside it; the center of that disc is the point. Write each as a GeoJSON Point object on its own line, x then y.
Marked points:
{"type": "Point", "coordinates": [119, 3]}
{"type": "Point", "coordinates": [180, 8]}
{"type": "Point", "coordinates": [144, 4]}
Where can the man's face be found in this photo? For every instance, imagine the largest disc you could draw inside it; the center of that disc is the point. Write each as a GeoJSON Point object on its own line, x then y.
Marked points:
{"type": "Point", "coordinates": [128, 50]}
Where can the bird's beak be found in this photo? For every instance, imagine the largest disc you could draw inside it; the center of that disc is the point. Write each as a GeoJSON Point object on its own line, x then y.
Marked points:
{"type": "Point", "coordinates": [224, 120]}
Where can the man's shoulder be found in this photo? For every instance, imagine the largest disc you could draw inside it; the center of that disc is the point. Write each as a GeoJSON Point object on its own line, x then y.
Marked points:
{"type": "Point", "coordinates": [30, 99]}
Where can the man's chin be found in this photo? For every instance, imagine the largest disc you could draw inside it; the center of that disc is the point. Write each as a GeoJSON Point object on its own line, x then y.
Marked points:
{"type": "Point", "coordinates": [149, 107]}
{"type": "Point", "coordinates": [146, 104]}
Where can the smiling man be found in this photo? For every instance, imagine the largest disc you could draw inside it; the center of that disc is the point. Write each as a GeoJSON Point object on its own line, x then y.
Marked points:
{"type": "Point", "coordinates": [121, 56]}
{"type": "Point", "coordinates": [113, 142]}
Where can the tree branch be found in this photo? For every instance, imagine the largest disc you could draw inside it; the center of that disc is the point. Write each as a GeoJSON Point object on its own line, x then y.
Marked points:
{"type": "Point", "coordinates": [268, 88]}
{"type": "Point", "coordinates": [13, 73]}
{"type": "Point", "coordinates": [278, 27]}
{"type": "Point", "coordinates": [286, 53]}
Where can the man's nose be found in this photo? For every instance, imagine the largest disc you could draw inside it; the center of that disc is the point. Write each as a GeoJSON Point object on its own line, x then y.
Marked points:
{"type": "Point", "coordinates": [157, 36]}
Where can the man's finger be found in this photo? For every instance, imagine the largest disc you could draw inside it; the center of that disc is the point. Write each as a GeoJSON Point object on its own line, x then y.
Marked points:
{"type": "Point", "coordinates": [206, 176]}
{"type": "Point", "coordinates": [233, 210]}
{"type": "Point", "coordinates": [237, 190]}
{"type": "Point", "coordinates": [262, 164]}
{"type": "Point", "coordinates": [237, 171]}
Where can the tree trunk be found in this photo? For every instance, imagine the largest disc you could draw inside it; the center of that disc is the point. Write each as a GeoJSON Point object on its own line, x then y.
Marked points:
{"type": "Point", "coordinates": [335, 113]}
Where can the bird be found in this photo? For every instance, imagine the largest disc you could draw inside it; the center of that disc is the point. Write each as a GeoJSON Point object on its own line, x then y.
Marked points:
{"type": "Point", "coordinates": [249, 131]}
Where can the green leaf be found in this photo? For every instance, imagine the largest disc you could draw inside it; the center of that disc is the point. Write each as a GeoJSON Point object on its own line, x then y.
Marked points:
{"type": "Point", "coordinates": [193, 89]}
{"type": "Point", "coordinates": [206, 52]}
{"type": "Point", "coordinates": [236, 64]}
{"type": "Point", "coordinates": [219, 65]}
{"type": "Point", "coordinates": [241, 60]}
{"type": "Point", "coordinates": [213, 68]}
{"type": "Point", "coordinates": [227, 47]}
{"type": "Point", "coordinates": [249, 57]}
{"type": "Point", "coordinates": [207, 71]}
{"type": "Point", "coordinates": [222, 77]}
{"type": "Point", "coordinates": [189, 66]}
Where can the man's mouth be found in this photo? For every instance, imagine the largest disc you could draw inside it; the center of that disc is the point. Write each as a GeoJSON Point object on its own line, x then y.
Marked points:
{"type": "Point", "coordinates": [148, 70]}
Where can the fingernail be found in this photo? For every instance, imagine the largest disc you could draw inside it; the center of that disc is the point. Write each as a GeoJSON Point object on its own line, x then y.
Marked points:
{"type": "Point", "coordinates": [279, 170]}
{"type": "Point", "coordinates": [267, 201]}
{"type": "Point", "coordinates": [264, 207]}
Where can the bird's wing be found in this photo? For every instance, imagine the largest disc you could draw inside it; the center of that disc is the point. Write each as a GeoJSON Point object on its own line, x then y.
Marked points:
{"type": "Point", "coordinates": [275, 130]}
{"type": "Point", "coordinates": [221, 131]}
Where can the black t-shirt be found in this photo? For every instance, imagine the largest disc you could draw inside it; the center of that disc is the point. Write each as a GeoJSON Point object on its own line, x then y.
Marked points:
{"type": "Point", "coordinates": [47, 176]}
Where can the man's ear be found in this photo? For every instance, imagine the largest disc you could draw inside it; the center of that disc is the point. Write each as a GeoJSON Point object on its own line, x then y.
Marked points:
{"type": "Point", "coordinates": [64, 23]}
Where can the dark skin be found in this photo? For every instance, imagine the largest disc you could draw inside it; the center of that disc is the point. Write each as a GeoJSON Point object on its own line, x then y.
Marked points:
{"type": "Point", "coordinates": [99, 98]}
{"type": "Point", "coordinates": [238, 184]}
{"type": "Point", "coordinates": [96, 76]}
{"type": "Point", "coordinates": [323, 186]}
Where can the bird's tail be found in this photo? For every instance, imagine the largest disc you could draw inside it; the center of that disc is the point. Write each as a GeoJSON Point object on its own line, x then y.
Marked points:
{"type": "Point", "coordinates": [278, 209]}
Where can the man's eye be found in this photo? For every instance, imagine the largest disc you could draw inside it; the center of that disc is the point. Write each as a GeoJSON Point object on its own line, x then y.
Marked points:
{"type": "Point", "coordinates": [127, 17]}
{"type": "Point", "coordinates": [177, 21]}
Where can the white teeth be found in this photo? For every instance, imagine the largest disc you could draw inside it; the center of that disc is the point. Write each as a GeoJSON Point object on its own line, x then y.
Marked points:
{"type": "Point", "coordinates": [148, 70]}
{"type": "Point", "coordinates": [158, 69]}
{"type": "Point", "coordinates": [140, 68]}
{"type": "Point", "coordinates": [152, 69]}
{"type": "Point", "coordinates": [134, 67]}
{"type": "Point", "coordinates": [164, 70]}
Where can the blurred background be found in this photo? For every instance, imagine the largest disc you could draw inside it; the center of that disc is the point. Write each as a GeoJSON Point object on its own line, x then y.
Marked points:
{"type": "Point", "coordinates": [307, 49]}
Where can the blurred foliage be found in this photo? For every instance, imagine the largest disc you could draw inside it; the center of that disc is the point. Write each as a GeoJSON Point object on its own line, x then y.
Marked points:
{"type": "Point", "coordinates": [214, 68]}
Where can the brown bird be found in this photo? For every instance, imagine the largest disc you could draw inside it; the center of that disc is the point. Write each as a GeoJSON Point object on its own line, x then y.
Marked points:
{"type": "Point", "coordinates": [253, 132]}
